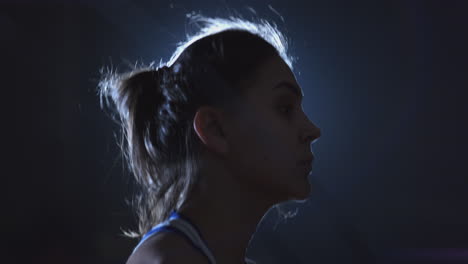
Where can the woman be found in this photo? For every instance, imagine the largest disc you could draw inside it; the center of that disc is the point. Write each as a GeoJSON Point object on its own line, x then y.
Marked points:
{"type": "Point", "coordinates": [215, 138]}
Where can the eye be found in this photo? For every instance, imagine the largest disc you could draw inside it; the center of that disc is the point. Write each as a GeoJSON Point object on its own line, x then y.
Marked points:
{"type": "Point", "coordinates": [286, 109]}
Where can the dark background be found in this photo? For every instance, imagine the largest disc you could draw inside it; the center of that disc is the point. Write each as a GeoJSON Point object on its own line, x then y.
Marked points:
{"type": "Point", "coordinates": [384, 80]}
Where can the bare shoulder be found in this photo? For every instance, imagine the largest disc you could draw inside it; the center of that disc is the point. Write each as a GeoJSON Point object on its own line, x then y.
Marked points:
{"type": "Point", "coordinates": [167, 248]}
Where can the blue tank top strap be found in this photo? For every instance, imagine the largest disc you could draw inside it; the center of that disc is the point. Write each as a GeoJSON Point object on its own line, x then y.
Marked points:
{"type": "Point", "coordinates": [190, 230]}
{"type": "Point", "coordinates": [162, 227]}
{"type": "Point", "coordinates": [175, 214]}
{"type": "Point", "coordinates": [183, 226]}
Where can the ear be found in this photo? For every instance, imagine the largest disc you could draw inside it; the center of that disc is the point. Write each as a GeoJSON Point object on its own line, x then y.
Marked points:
{"type": "Point", "coordinates": [208, 124]}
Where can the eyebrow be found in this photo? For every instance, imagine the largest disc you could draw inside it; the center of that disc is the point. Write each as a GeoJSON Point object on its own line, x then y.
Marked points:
{"type": "Point", "coordinates": [291, 87]}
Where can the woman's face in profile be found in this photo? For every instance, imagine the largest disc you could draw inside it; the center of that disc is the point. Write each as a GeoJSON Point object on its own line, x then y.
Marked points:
{"type": "Point", "coordinates": [272, 135]}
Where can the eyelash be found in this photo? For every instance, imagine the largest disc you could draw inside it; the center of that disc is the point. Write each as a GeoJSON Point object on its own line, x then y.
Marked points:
{"type": "Point", "coordinates": [288, 107]}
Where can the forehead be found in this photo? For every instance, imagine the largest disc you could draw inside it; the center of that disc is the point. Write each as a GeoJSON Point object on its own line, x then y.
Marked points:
{"type": "Point", "coordinates": [272, 77]}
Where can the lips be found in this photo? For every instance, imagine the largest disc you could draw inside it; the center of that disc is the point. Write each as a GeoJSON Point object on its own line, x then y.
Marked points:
{"type": "Point", "coordinates": [306, 165]}
{"type": "Point", "coordinates": [307, 169]}
{"type": "Point", "coordinates": [307, 162]}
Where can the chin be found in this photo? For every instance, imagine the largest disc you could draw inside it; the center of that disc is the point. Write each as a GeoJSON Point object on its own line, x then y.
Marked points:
{"type": "Point", "coordinates": [300, 191]}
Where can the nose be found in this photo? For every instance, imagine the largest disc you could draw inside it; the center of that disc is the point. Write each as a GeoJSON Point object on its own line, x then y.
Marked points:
{"type": "Point", "coordinates": [311, 133]}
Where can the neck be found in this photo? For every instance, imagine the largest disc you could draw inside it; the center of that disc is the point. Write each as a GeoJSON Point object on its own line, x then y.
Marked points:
{"type": "Point", "coordinates": [228, 221]}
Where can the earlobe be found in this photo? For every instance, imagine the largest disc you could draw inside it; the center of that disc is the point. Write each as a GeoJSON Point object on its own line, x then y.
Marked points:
{"type": "Point", "coordinates": [207, 124]}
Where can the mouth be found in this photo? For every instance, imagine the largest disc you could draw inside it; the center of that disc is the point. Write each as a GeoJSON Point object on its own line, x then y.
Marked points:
{"type": "Point", "coordinates": [306, 161]}
{"type": "Point", "coordinates": [306, 165]}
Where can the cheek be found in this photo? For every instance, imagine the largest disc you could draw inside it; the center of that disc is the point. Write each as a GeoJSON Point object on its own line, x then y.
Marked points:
{"type": "Point", "coordinates": [266, 160]}
{"type": "Point", "coordinates": [268, 150]}
{"type": "Point", "coordinates": [274, 141]}
{"type": "Point", "coordinates": [279, 173]}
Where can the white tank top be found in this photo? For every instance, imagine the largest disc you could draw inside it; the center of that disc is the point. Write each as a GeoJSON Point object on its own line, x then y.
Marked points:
{"type": "Point", "coordinates": [182, 225]}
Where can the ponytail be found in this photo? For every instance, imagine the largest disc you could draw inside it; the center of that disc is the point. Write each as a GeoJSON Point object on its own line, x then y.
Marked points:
{"type": "Point", "coordinates": [147, 112]}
